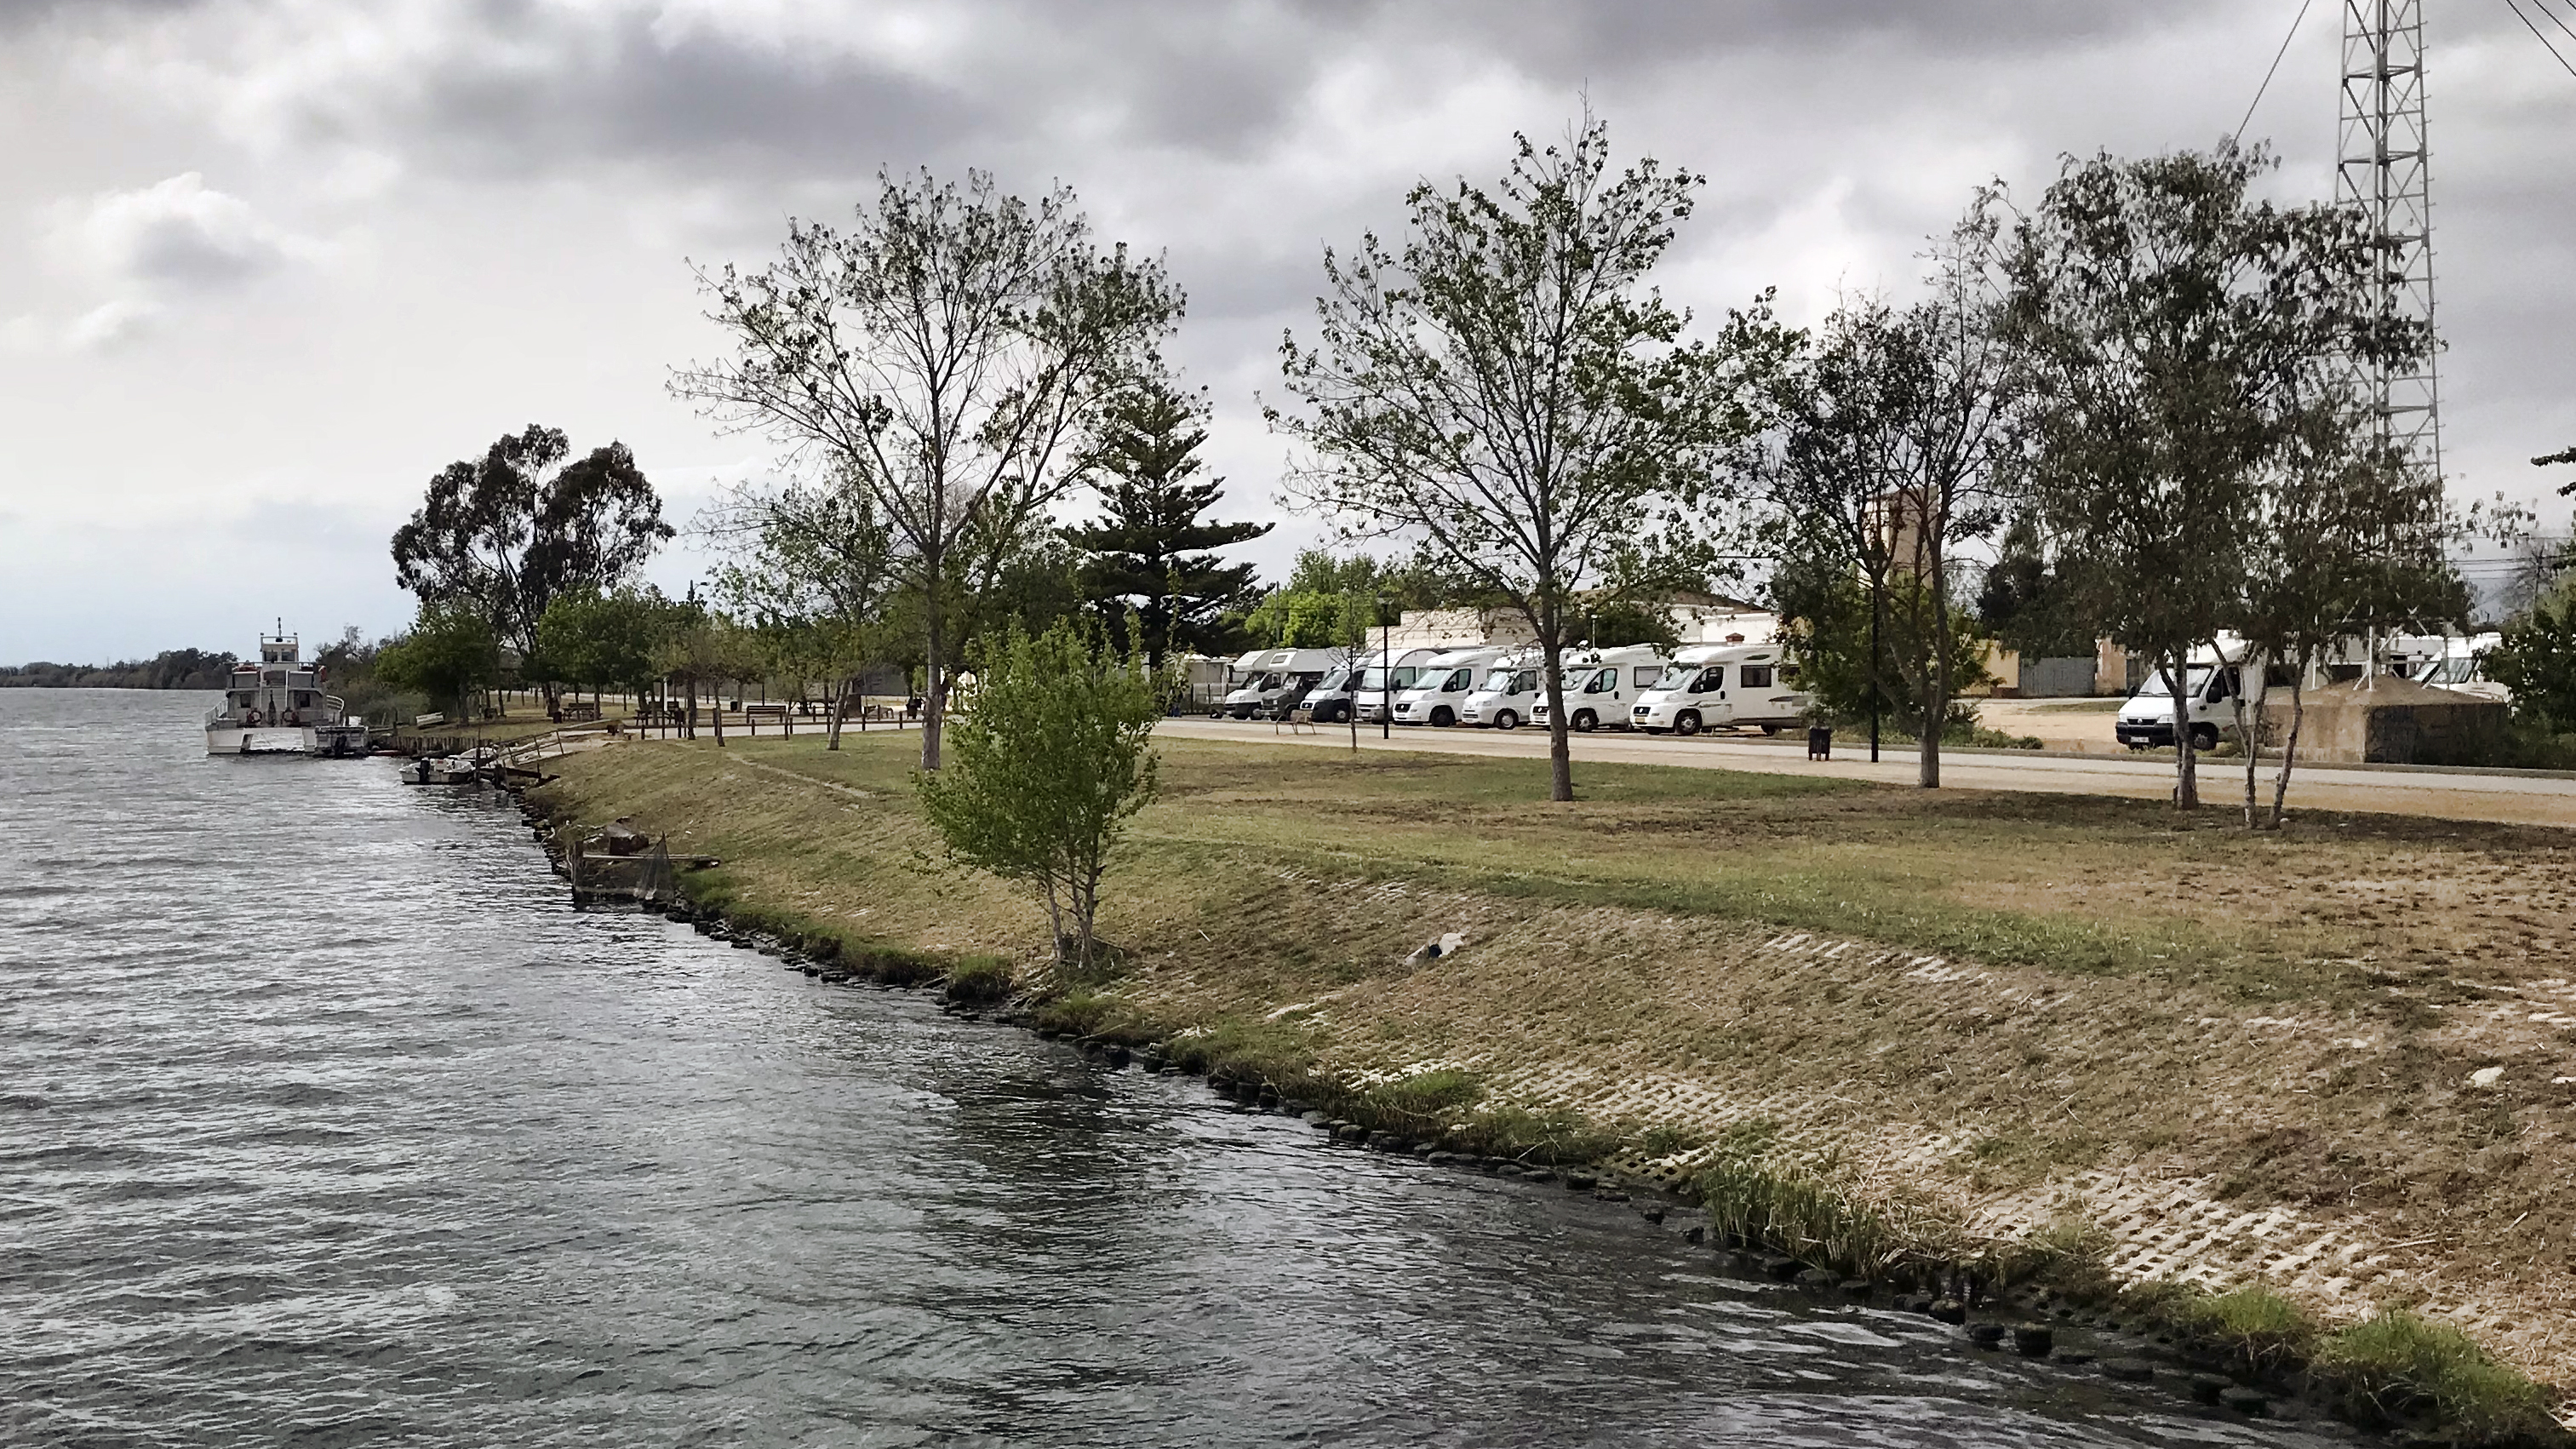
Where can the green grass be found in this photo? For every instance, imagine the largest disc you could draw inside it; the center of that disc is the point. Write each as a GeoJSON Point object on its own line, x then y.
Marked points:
{"type": "Point", "coordinates": [2397, 1366]}
{"type": "Point", "coordinates": [2072, 884]}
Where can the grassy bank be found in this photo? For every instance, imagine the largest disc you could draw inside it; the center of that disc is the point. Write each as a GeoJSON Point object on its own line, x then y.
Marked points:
{"type": "Point", "coordinates": [1974, 1026]}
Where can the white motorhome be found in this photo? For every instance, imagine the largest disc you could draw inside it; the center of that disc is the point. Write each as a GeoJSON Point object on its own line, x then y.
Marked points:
{"type": "Point", "coordinates": [1442, 689]}
{"type": "Point", "coordinates": [2462, 665]}
{"type": "Point", "coordinates": [1509, 693]}
{"type": "Point", "coordinates": [1362, 686]}
{"type": "Point", "coordinates": [1713, 685]}
{"type": "Point", "coordinates": [1600, 685]}
{"type": "Point", "coordinates": [1270, 682]}
{"type": "Point", "coordinates": [1374, 693]}
{"type": "Point", "coordinates": [2212, 680]}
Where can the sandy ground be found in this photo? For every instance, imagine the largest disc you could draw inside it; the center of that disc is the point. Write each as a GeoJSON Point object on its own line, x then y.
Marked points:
{"type": "Point", "coordinates": [2447, 795]}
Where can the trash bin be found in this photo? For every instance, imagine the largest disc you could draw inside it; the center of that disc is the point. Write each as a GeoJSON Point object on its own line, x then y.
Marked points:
{"type": "Point", "coordinates": [1820, 742]}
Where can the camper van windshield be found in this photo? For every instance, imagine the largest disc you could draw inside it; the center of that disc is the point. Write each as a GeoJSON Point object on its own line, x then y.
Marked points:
{"type": "Point", "coordinates": [2154, 687]}
{"type": "Point", "coordinates": [1332, 681]}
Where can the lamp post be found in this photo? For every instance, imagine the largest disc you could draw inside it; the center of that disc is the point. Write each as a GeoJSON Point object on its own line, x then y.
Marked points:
{"type": "Point", "coordinates": [1386, 668]}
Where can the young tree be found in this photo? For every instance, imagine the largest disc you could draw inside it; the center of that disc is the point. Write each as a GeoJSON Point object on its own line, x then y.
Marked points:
{"type": "Point", "coordinates": [1051, 763]}
{"type": "Point", "coordinates": [1509, 391]}
{"type": "Point", "coordinates": [1151, 553]}
{"type": "Point", "coordinates": [526, 521]}
{"type": "Point", "coordinates": [2023, 604]}
{"type": "Point", "coordinates": [818, 558]}
{"type": "Point", "coordinates": [951, 354]}
{"type": "Point", "coordinates": [448, 655]}
{"type": "Point", "coordinates": [2171, 321]}
{"type": "Point", "coordinates": [2348, 538]}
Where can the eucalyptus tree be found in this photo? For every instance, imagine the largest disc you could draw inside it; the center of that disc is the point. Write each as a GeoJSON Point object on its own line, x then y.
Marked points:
{"type": "Point", "coordinates": [507, 532]}
{"type": "Point", "coordinates": [1507, 390]}
{"type": "Point", "coordinates": [952, 354]}
{"type": "Point", "coordinates": [2171, 320]}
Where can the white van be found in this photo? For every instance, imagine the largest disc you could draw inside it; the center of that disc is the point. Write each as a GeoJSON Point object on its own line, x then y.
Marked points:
{"type": "Point", "coordinates": [1374, 692]}
{"type": "Point", "coordinates": [1360, 686]}
{"type": "Point", "coordinates": [2211, 679]}
{"type": "Point", "coordinates": [1710, 685]}
{"type": "Point", "coordinates": [1446, 681]}
{"type": "Point", "coordinates": [1509, 694]}
{"type": "Point", "coordinates": [1601, 683]}
{"type": "Point", "coordinates": [1269, 682]}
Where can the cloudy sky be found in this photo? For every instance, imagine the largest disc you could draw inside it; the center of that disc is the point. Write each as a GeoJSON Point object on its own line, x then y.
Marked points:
{"type": "Point", "coordinates": [264, 267]}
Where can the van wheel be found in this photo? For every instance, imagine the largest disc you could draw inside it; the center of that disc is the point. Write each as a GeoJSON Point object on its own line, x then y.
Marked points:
{"type": "Point", "coordinates": [1686, 723]}
{"type": "Point", "coordinates": [1443, 717]}
{"type": "Point", "coordinates": [1507, 720]}
{"type": "Point", "coordinates": [1585, 722]}
{"type": "Point", "coordinates": [2204, 738]}
{"type": "Point", "coordinates": [1770, 729]}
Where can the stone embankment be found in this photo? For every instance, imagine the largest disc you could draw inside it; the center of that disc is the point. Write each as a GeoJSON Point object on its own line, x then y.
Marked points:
{"type": "Point", "coordinates": [2051, 1160]}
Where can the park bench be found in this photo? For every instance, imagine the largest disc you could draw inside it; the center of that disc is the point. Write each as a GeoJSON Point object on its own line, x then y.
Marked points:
{"type": "Point", "coordinates": [753, 714]}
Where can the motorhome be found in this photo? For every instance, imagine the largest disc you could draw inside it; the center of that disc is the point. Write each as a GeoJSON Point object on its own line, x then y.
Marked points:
{"type": "Point", "coordinates": [1379, 685]}
{"type": "Point", "coordinates": [1442, 690]}
{"type": "Point", "coordinates": [1509, 693]}
{"type": "Point", "coordinates": [1601, 684]}
{"type": "Point", "coordinates": [2462, 665]}
{"type": "Point", "coordinates": [1714, 685]}
{"type": "Point", "coordinates": [1362, 682]}
{"type": "Point", "coordinates": [2211, 679]}
{"type": "Point", "coordinates": [1270, 682]}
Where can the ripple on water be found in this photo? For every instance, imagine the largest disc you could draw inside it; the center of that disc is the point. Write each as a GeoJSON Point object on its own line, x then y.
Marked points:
{"type": "Point", "coordinates": [328, 1123]}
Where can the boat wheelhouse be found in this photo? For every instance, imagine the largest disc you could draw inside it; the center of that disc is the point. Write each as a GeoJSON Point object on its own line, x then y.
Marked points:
{"type": "Point", "coordinates": [276, 707]}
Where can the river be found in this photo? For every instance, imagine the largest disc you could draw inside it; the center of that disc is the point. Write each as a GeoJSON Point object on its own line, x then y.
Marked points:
{"type": "Point", "coordinates": [324, 1119]}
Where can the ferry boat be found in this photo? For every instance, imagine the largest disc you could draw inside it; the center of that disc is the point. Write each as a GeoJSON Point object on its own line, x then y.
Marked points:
{"type": "Point", "coordinates": [277, 707]}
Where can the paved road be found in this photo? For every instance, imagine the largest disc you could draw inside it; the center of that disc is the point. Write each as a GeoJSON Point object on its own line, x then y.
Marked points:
{"type": "Point", "coordinates": [2445, 795]}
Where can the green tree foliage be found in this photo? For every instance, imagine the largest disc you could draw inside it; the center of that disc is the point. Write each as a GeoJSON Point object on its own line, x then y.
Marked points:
{"type": "Point", "coordinates": [2024, 605]}
{"type": "Point", "coordinates": [1508, 389]}
{"type": "Point", "coordinates": [814, 566]}
{"type": "Point", "coordinates": [1050, 763]}
{"type": "Point", "coordinates": [954, 355]}
{"type": "Point", "coordinates": [1826, 625]}
{"type": "Point", "coordinates": [449, 655]}
{"type": "Point", "coordinates": [701, 647]}
{"type": "Point", "coordinates": [170, 669]}
{"type": "Point", "coordinates": [1328, 601]}
{"type": "Point", "coordinates": [2175, 326]}
{"type": "Point", "coordinates": [599, 640]}
{"type": "Point", "coordinates": [2537, 661]}
{"type": "Point", "coordinates": [1617, 622]}
{"type": "Point", "coordinates": [507, 532]}
{"type": "Point", "coordinates": [1152, 553]}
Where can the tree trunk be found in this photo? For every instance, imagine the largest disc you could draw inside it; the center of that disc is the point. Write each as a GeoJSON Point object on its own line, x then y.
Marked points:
{"type": "Point", "coordinates": [2289, 746]}
{"type": "Point", "coordinates": [1877, 608]}
{"type": "Point", "coordinates": [934, 694]}
{"type": "Point", "coordinates": [720, 714]}
{"type": "Point", "coordinates": [689, 730]}
{"type": "Point", "coordinates": [1936, 711]}
{"type": "Point", "coordinates": [2186, 759]}
{"type": "Point", "coordinates": [1560, 753]}
{"type": "Point", "coordinates": [2249, 732]}
{"type": "Point", "coordinates": [832, 725]}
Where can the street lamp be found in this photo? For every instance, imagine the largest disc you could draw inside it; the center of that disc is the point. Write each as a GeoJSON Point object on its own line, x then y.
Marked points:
{"type": "Point", "coordinates": [1386, 668]}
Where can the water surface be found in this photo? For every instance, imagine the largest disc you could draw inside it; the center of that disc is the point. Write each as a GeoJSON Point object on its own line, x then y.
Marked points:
{"type": "Point", "coordinates": [325, 1120]}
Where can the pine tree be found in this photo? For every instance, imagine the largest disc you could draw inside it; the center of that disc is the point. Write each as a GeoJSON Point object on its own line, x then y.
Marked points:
{"type": "Point", "coordinates": [1151, 552]}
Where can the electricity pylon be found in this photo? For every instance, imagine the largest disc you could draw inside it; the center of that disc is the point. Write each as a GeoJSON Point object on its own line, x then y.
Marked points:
{"type": "Point", "coordinates": [2383, 170]}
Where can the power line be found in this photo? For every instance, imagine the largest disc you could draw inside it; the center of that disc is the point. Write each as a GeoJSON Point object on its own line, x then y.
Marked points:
{"type": "Point", "coordinates": [2545, 9]}
{"type": "Point", "coordinates": [2275, 70]}
{"type": "Point", "coordinates": [2540, 35]}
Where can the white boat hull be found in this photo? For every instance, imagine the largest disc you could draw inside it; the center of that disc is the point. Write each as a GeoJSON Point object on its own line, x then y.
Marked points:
{"type": "Point", "coordinates": [287, 740]}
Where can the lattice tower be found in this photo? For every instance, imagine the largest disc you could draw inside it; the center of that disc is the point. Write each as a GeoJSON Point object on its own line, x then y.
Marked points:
{"type": "Point", "coordinates": [2383, 169]}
